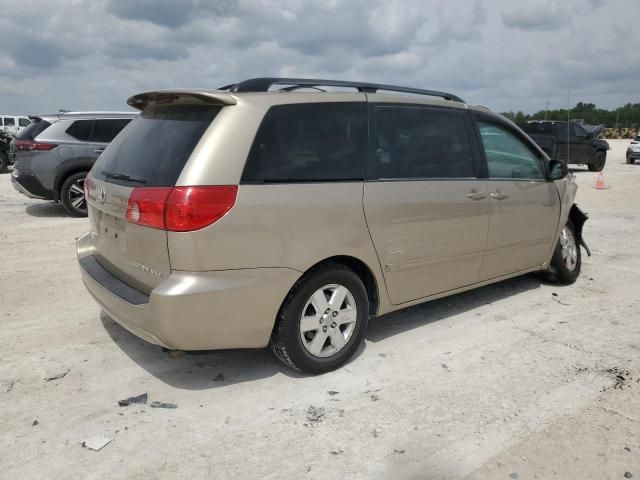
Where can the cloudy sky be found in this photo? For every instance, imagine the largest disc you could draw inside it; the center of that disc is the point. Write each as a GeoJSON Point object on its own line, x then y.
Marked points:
{"type": "Point", "coordinates": [505, 54]}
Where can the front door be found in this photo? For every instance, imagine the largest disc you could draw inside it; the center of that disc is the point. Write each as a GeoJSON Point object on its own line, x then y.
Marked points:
{"type": "Point", "coordinates": [427, 211]}
{"type": "Point", "coordinates": [525, 208]}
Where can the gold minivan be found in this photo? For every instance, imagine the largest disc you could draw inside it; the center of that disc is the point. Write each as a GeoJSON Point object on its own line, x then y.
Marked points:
{"type": "Point", "coordinates": [289, 211]}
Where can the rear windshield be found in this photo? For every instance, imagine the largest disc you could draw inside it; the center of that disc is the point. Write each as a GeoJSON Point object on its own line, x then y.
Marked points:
{"type": "Point", "coordinates": [155, 146]}
{"type": "Point", "coordinates": [34, 129]}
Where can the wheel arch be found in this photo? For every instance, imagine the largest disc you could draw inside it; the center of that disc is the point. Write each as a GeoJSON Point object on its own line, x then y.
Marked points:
{"type": "Point", "coordinates": [360, 268]}
{"type": "Point", "coordinates": [65, 172]}
{"type": "Point", "coordinates": [366, 275]}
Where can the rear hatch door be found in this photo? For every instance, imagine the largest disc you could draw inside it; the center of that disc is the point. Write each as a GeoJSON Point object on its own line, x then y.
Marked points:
{"type": "Point", "coordinates": [149, 153]}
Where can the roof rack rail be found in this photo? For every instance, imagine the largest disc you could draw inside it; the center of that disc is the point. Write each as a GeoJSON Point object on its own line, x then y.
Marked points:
{"type": "Point", "coordinates": [264, 84]}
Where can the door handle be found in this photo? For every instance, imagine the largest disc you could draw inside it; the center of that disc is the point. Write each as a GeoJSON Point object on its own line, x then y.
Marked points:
{"type": "Point", "coordinates": [98, 150]}
{"type": "Point", "coordinates": [476, 194]}
{"type": "Point", "coordinates": [499, 195]}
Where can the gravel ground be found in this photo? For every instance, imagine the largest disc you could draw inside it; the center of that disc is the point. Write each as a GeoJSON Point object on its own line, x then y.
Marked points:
{"type": "Point", "coordinates": [516, 380]}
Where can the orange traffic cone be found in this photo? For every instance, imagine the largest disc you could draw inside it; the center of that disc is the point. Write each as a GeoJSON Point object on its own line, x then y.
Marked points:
{"type": "Point", "coordinates": [600, 185]}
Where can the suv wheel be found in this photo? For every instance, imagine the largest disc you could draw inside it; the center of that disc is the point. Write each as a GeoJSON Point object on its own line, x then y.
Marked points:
{"type": "Point", "coordinates": [72, 195]}
{"type": "Point", "coordinates": [630, 160]}
{"type": "Point", "coordinates": [566, 261]}
{"type": "Point", "coordinates": [322, 321]}
{"type": "Point", "coordinates": [598, 162]}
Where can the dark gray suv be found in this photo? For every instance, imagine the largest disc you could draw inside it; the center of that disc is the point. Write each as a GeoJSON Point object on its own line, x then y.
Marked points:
{"type": "Point", "coordinates": [55, 152]}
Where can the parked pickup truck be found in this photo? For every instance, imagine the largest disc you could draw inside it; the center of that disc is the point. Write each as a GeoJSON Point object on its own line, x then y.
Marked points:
{"type": "Point", "coordinates": [569, 142]}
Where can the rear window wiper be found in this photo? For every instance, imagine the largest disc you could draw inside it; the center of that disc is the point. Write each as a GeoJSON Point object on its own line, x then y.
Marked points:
{"type": "Point", "coordinates": [122, 176]}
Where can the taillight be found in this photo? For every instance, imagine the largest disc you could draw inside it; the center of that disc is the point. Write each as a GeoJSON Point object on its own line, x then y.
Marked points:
{"type": "Point", "coordinates": [30, 145]}
{"type": "Point", "coordinates": [87, 185]}
{"type": "Point", "coordinates": [192, 208]}
{"type": "Point", "coordinates": [146, 206]}
{"type": "Point", "coordinates": [180, 209]}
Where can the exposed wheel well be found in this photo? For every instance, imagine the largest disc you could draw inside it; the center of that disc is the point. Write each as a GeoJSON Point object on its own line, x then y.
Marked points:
{"type": "Point", "coordinates": [578, 218]}
{"type": "Point", "coordinates": [364, 272]}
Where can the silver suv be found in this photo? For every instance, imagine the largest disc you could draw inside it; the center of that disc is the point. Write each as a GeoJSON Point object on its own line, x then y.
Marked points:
{"type": "Point", "coordinates": [283, 212]}
{"type": "Point", "coordinates": [53, 154]}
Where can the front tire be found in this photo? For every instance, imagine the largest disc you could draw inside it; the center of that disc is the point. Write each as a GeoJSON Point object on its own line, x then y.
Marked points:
{"type": "Point", "coordinates": [630, 161]}
{"type": "Point", "coordinates": [323, 320]}
{"type": "Point", "coordinates": [72, 195]}
{"type": "Point", "coordinates": [567, 259]}
{"type": "Point", "coordinates": [598, 162]}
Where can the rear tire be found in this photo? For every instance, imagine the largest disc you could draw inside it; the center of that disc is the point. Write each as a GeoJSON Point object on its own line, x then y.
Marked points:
{"type": "Point", "coordinates": [598, 162]}
{"type": "Point", "coordinates": [4, 162]}
{"type": "Point", "coordinates": [567, 259]}
{"type": "Point", "coordinates": [630, 160]}
{"type": "Point", "coordinates": [72, 195]}
{"type": "Point", "coordinates": [317, 331]}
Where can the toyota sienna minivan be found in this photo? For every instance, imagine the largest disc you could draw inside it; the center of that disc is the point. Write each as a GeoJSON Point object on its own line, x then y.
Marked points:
{"type": "Point", "coordinates": [288, 212]}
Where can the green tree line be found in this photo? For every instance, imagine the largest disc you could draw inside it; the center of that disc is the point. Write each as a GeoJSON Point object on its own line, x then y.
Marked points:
{"type": "Point", "coordinates": [627, 116]}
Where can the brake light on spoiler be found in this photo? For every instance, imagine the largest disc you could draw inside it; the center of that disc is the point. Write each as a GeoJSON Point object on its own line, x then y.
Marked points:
{"type": "Point", "coordinates": [180, 209]}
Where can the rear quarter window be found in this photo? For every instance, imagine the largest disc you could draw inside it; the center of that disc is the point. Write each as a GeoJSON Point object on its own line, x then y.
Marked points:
{"type": "Point", "coordinates": [80, 130]}
{"type": "Point", "coordinates": [314, 142]}
{"type": "Point", "coordinates": [106, 130]}
{"type": "Point", "coordinates": [156, 145]}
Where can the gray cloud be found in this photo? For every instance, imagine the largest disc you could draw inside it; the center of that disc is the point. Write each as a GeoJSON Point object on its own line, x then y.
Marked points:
{"type": "Point", "coordinates": [93, 54]}
{"type": "Point", "coordinates": [36, 53]}
{"type": "Point", "coordinates": [167, 13]}
{"type": "Point", "coordinates": [542, 17]}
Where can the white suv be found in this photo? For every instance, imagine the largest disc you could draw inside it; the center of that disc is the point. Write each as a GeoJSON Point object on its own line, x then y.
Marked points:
{"type": "Point", "coordinates": [13, 123]}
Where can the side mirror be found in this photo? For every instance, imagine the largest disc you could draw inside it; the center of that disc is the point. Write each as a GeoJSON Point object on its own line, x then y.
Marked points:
{"type": "Point", "coordinates": [557, 170]}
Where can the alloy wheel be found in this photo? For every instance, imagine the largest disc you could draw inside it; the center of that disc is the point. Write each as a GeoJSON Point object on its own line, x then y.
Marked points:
{"type": "Point", "coordinates": [568, 249]}
{"type": "Point", "coordinates": [76, 195]}
{"type": "Point", "coordinates": [328, 320]}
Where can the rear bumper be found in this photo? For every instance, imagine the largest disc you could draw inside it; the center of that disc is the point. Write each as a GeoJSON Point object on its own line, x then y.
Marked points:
{"type": "Point", "coordinates": [193, 310]}
{"type": "Point", "coordinates": [30, 186]}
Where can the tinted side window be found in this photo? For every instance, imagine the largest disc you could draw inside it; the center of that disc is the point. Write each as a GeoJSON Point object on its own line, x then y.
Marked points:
{"type": "Point", "coordinates": [562, 131]}
{"type": "Point", "coordinates": [23, 122]}
{"type": "Point", "coordinates": [538, 128]}
{"type": "Point", "coordinates": [9, 121]}
{"type": "Point", "coordinates": [419, 142]}
{"type": "Point", "coordinates": [579, 131]}
{"type": "Point", "coordinates": [105, 130]}
{"type": "Point", "coordinates": [309, 142]}
{"type": "Point", "coordinates": [507, 155]}
{"type": "Point", "coordinates": [81, 130]}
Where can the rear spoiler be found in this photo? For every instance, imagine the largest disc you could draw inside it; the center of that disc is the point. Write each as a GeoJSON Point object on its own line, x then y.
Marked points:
{"type": "Point", "coordinates": [141, 100]}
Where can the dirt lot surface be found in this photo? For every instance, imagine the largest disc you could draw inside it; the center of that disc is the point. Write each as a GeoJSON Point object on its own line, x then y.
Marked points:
{"type": "Point", "coordinates": [516, 380]}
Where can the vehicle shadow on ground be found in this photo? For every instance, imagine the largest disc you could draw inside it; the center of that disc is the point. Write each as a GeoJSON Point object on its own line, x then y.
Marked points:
{"type": "Point", "coordinates": [221, 368]}
{"type": "Point", "coordinates": [202, 369]}
{"type": "Point", "coordinates": [47, 209]}
{"type": "Point", "coordinates": [409, 318]}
